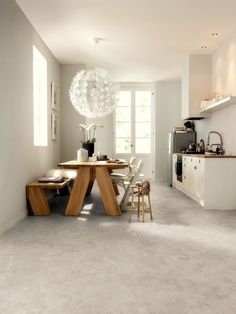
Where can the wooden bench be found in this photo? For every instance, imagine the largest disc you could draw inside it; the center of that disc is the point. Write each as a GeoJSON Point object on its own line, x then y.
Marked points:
{"type": "Point", "coordinates": [35, 193]}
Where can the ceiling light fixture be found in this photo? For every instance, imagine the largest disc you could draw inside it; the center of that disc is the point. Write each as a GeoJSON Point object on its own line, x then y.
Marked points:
{"type": "Point", "coordinates": [214, 34]}
{"type": "Point", "coordinates": [204, 47]}
{"type": "Point", "coordinates": [92, 93]}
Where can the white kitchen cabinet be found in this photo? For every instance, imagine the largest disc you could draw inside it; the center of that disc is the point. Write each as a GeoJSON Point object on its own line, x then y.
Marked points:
{"type": "Point", "coordinates": [193, 175]}
{"type": "Point", "coordinates": [199, 176]}
{"type": "Point", "coordinates": [196, 85]}
{"type": "Point", "coordinates": [210, 181]}
{"type": "Point", "coordinates": [186, 177]}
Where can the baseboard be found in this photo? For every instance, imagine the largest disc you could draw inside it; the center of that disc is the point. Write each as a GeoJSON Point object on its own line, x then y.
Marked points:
{"type": "Point", "coordinates": [12, 222]}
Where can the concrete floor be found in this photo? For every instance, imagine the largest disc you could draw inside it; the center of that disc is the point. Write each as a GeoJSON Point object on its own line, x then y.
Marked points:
{"type": "Point", "coordinates": [183, 262]}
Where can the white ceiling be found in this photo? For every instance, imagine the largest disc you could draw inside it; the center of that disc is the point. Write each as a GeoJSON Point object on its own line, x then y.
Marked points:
{"type": "Point", "coordinates": [144, 40]}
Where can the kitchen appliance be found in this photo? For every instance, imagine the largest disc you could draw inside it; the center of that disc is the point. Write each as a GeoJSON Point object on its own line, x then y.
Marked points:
{"type": "Point", "coordinates": [177, 142]}
{"type": "Point", "coordinates": [178, 168]}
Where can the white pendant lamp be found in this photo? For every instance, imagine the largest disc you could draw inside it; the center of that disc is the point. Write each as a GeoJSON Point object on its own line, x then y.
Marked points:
{"type": "Point", "coordinates": [92, 93]}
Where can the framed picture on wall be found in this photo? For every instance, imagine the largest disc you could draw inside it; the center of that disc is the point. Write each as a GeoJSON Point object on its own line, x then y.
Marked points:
{"type": "Point", "coordinates": [54, 126]}
{"type": "Point", "coordinates": [54, 96]}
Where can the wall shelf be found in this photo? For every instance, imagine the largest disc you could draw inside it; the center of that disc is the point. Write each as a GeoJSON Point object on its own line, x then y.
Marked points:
{"type": "Point", "coordinates": [213, 106]}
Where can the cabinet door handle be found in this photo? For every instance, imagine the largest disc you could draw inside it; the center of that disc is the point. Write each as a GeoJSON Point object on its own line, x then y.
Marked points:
{"type": "Point", "coordinates": [195, 167]}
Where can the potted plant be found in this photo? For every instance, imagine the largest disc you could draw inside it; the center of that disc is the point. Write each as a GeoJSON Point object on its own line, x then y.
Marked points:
{"type": "Point", "coordinates": [89, 136]}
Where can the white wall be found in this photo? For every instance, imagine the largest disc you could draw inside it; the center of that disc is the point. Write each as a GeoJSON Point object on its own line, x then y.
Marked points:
{"type": "Point", "coordinates": [20, 161]}
{"type": "Point", "coordinates": [168, 115]}
{"type": "Point", "coordinates": [223, 82]}
{"type": "Point", "coordinates": [196, 83]}
{"type": "Point", "coordinates": [71, 136]}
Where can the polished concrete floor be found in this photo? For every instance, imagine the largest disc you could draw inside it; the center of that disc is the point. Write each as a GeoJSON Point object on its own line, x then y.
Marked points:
{"type": "Point", "coordinates": [184, 262]}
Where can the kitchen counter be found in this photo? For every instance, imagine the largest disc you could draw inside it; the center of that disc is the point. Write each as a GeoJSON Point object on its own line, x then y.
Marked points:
{"type": "Point", "coordinates": [208, 179]}
{"type": "Point", "coordinates": [206, 155]}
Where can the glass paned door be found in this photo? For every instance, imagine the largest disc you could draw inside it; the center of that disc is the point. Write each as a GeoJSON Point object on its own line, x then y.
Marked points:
{"type": "Point", "coordinates": [134, 126]}
{"type": "Point", "coordinates": [143, 122]}
{"type": "Point", "coordinates": [123, 124]}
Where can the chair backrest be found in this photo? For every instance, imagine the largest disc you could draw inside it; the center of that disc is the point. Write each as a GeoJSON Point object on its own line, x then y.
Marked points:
{"type": "Point", "coordinates": [132, 166]}
{"type": "Point", "coordinates": [132, 160]}
{"type": "Point", "coordinates": [146, 187]}
{"type": "Point", "coordinates": [137, 170]}
{"type": "Point", "coordinates": [133, 178]}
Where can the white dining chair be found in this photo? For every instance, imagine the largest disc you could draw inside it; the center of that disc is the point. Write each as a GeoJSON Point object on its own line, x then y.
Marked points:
{"type": "Point", "coordinates": [119, 178]}
{"type": "Point", "coordinates": [136, 171]}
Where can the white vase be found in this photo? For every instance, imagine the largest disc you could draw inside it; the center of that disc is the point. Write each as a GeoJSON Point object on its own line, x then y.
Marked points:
{"type": "Point", "coordinates": [82, 155]}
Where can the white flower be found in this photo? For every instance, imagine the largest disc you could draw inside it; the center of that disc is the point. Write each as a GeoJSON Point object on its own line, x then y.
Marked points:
{"type": "Point", "coordinates": [87, 130]}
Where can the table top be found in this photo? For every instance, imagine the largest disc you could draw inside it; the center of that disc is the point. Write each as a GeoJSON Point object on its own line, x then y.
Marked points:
{"type": "Point", "coordinates": [73, 164]}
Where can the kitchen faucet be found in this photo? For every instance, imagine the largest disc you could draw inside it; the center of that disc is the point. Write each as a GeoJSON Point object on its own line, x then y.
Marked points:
{"type": "Point", "coordinates": [219, 146]}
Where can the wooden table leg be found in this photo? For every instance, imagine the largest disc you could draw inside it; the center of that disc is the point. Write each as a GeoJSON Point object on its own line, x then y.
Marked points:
{"type": "Point", "coordinates": [78, 192]}
{"type": "Point", "coordinates": [38, 201]}
{"type": "Point", "coordinates": [107, 191]}
{"type": "Point", "coordinates": [91, 181]}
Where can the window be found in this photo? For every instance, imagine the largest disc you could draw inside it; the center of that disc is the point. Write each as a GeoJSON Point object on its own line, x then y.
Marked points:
{"type": "Point", "coordinates": [40, 98]}
{"type": "Point", "coordinates": [133, 122]}
{"type": "Point", "coordinates": [123, 123]}
{"type": "Point", "coordinates": [143, 122]}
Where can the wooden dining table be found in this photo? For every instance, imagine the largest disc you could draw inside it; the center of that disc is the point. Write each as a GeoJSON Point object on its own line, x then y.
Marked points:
{"type": "Point", "coordinates": [87, 173]}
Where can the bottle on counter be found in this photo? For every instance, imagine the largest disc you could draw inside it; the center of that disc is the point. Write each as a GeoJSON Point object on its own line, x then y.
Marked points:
{"type": "Point", "coordinates": [202, 146]}
{"type": "Point", "coordinates": [198, 148]}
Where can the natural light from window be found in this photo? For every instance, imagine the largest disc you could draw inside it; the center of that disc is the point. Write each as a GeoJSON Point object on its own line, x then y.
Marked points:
{"type": "Point", "coordinates": [40, 98]}
{"type": "Point", "coordinates": [133, 122]}
{"type": "Point", "coordinates": [143, 122]}
{"type": "Point", "coordinates": [123, 123]}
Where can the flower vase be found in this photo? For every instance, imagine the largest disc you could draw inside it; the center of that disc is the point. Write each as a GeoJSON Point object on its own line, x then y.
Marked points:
{"type": "Point", "coordinates": [90, 148]}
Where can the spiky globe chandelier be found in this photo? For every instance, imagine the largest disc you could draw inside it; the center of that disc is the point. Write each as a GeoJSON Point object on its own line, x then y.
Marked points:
{"type": "Point", "coordinates": [93, 94]}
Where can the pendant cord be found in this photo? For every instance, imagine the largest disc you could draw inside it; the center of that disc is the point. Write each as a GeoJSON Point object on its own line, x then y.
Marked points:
{"type": "Point", "coordinates": [96, 42]}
